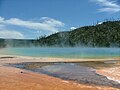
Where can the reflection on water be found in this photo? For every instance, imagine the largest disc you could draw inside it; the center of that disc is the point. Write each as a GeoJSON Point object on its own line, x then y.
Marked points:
{"type": "Point", "coordinates": [64, 52]}
{"type": "Point", "coordinates": [70, 71]}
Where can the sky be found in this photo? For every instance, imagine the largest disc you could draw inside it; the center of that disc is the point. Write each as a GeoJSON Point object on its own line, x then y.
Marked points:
{"type": "Point", "coordinates": [30, 19]}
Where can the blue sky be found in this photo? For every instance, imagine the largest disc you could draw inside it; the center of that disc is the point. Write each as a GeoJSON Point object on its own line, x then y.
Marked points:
{"type": "Point", "coordinates": [32, 18]}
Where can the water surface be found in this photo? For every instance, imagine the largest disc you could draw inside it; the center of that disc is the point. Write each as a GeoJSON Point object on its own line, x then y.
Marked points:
{"type": "Point", "coordinates": [76, 52]}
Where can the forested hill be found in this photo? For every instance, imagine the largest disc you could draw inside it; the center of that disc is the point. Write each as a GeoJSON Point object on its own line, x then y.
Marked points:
{"type": "Point", "coordinates": [106, 34]}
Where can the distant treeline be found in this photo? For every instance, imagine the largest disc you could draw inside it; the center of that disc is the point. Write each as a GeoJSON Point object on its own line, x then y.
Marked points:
{"type": "Point", "coordinates": [2, 43]}
{"type": "Point", "coordinates": [16, 43]}
{"type": "Point", "coordinates": [106, 34]}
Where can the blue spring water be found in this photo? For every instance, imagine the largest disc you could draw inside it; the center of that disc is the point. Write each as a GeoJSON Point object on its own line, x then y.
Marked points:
{"type": "Point", "coordinates": [76, 52]}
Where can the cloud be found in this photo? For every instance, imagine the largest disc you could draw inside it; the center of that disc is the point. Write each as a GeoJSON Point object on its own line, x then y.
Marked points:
{"type": "Point", "coordinates": [52, 22]}
{"type": "Point", "coordinates": [11, 34]}
{"type": "Point", "coordinates": [100, 22]}
{"type": "Point", "coordinates": [72, 28]}
{"type": "Point", "coordinates": [45, 26]}
{"type": "Point", "coordinates": [1, 19]}
{"type": "Point", "coordinates": [45, 23]}
{"type": "Point", "coordinates": [1, 25]}
{"type": "Point", "coordinates": [108, 5]}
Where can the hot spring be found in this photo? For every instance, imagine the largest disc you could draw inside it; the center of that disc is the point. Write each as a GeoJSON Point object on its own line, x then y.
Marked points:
{"type": "Point", "coordinates": [76, 52]}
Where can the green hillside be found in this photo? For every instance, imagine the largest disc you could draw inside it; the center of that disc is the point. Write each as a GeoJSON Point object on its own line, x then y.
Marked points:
{"type": "Point", "coordinates": [106, 34]}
